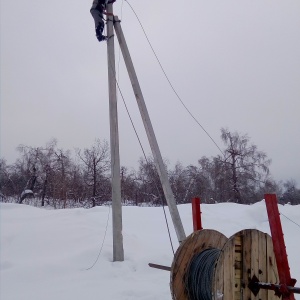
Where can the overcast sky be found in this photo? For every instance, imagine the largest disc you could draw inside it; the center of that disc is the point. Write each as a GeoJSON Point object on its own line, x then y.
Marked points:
{"type": "Point", "coordinates": [235, 64]}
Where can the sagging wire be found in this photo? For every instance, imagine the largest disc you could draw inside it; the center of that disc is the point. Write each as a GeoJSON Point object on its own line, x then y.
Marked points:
{"type": "Point", "coordinates": [290, 219]}
{"type": "Point", "coordinates": [102, 241]}
{"type": "Point", "coordinates": [171, 85]}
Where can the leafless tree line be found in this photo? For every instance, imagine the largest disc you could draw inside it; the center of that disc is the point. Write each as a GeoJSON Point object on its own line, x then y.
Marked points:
{"type": "Point", "coordinates": [49, 176]}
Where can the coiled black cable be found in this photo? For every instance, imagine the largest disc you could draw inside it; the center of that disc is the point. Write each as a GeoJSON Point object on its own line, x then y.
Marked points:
{"type": "Point", "coordinates": [199, 275]}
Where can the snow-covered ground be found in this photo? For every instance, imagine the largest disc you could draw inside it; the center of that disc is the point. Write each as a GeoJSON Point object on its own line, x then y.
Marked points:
{"type": "Point", "coordinates": [45, 254]}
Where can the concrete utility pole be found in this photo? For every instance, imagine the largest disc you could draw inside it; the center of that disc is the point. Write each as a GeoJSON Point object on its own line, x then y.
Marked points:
{"type": "Point", "coordinates": [150, 133]}
{"type": "Point", "coordinates": [118, 251]}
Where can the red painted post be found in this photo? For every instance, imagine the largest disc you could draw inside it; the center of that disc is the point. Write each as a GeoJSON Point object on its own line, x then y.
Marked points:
{"type": "Point", "coordinates": [279, 246]}
{"type": "Point", "coordinates": [196, 214]}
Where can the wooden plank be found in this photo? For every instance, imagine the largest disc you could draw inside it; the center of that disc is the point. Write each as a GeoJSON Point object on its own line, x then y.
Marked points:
{"type": "Point", "coordinates": [237, 295]}
{"type": "Point", "coordinates": [262, 263]}
{"type": "Point", "coordinates": [246, 267]}
{"type": "Point", "coordinates": [272, 272]}
{"type": "Point", "coordinates": [237, 267]}
{"type": "Point", "coordinates": [254, 257]}
{"type": "Point", "coordinates": [218, 283]}
{"type": "Point", "coordinates": [228, 281]}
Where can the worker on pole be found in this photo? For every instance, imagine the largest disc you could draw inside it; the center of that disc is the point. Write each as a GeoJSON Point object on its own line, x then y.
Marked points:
{"type": "Point", "coordinates": [97, 11]}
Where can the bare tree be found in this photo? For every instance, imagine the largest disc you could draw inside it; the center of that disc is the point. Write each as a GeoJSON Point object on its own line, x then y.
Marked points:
{"type": "Point", "coordinates": [29, 162]}
{"type": "Point", "coordinates": [291, 194]}
{"type": "Point", "coordinates": [96, 164]}
{"type": "Point", "coordinates": [7, 184]}
{"type": "Point", "coordinates": [129, 187]}
{"type": "Point", "coordinates": [37, 163]}
{"type": "Point", "coordinates": [181, 181]}
{"type": "Point", "coordinates": [61, 175]}
{"type": "Point", "coordinates": [150, 186]}
{"type": "Point", "coordinates": [247, 167]}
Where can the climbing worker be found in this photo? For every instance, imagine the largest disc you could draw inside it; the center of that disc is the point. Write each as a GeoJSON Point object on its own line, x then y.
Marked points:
{"type": "Point", "coordinates": [97, 11]}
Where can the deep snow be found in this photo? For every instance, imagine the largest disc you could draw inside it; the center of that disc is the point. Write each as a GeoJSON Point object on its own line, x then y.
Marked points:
{"type": "Point", "coordinates": [45, 254]}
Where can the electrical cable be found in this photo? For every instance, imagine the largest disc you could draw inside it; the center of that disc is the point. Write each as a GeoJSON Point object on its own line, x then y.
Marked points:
{"type": "Point", "coordinates": [142, 148]}
{"type": "Point", "coordinates": [163, 206]}
{"type": "Point", "coordinates": [290, 219]}
{"type": "Point", "coordinates": [171, 85]}
{"type": "Point", "coordinates": [199, 275]}
{"type": "Point", "coordinates": [102, 241]}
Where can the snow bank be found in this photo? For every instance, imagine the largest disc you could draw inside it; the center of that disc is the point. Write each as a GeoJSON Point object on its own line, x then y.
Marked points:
{"type": "Point", "coordinates": [45, 254]}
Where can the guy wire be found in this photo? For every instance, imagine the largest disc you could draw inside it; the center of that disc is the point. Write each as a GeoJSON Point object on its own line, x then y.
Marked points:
{"type": "Point", "coordinates": [102, 241]}
{"type": "Point", "coordinates": [127, 110]}
{"type": "Point", "coordinates": [290, 219]}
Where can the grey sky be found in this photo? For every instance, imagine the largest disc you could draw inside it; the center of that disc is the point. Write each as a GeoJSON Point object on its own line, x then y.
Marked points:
{"type": "Point", "coordinates": [235, 64]}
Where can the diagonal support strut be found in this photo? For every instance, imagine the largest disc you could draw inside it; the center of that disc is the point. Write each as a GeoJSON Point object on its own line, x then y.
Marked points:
{"type": "Point", "coordinates": [150, 133]}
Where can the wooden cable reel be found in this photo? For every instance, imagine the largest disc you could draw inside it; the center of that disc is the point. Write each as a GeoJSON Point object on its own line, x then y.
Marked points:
{"type": "Point", "coordinates": [245, 255]}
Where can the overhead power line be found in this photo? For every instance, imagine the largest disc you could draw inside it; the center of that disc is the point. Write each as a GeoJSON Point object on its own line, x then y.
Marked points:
{"type": "Point", "coordinates": [170, 83]}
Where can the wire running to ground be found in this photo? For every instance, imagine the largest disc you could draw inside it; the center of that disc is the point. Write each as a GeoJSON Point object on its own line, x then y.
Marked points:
{"type": "Point", "coordinates": [139, 140]}
{"type": "Point", "coordinates": [140, 143]}
{"type": "Point", "coordinates": [290, 219]}
{"type": "Point", "coordinates": [170, 83]}
{"type": "Point", "coordinates": [102, 241]}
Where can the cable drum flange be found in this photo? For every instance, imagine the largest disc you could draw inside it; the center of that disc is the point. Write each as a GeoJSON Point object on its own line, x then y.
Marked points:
{"type": "Point", "coordinates": [247, 253]}
{"type": "Point", "coordinates": [193, 245]}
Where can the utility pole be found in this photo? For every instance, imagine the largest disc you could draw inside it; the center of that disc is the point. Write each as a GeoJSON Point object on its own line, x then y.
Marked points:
{"type": "Point", "coordinates": [118, 251]}
{"type": "Point", "coordinates": [150, 133]}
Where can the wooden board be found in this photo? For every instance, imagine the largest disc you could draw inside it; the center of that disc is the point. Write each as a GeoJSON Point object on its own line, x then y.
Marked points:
{"type": "Point", "coordinates": [192, 245]}
{"type": "Point", "coordinates": [245, 254]}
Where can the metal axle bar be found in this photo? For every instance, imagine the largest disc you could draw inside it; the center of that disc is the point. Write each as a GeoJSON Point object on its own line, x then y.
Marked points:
{"type": "Point", "coordinates": [278, 288]}
{"type": "Point", "coordinates": [165, 268]}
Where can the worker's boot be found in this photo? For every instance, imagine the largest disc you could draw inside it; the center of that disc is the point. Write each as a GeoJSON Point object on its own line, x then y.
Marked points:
{"type": "Point", "coordinates": [101, 38]}
{"type": "Point", "coordinates": [99, 34]}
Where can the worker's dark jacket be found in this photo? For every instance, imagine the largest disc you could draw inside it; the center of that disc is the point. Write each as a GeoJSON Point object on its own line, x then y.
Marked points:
{"type": "Point", "coordinates": [97, 13]}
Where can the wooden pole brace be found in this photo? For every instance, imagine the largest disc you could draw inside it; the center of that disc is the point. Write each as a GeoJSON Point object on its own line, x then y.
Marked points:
{"type": "Point", "coordinates": [162, 172]}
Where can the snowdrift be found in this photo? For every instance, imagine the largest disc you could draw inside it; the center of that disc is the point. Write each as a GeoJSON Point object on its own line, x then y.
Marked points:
{"type": "Point", "coordinates": [48, 254]}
